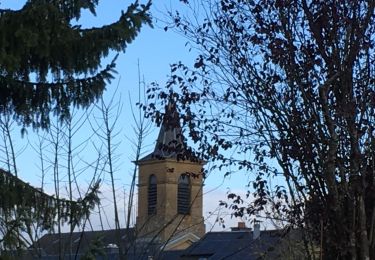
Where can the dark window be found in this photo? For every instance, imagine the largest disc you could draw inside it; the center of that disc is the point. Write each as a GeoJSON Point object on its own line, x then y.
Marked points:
{"type": "Point", "coordinates": [183, 195]}
{"type": "Point", "coordinates": [152, 195]}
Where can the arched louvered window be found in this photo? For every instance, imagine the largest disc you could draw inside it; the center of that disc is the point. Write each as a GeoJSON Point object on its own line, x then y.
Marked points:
{"type": "Point", "coordinates": [183, 195]}
{"type": "Point", "coordinates": [152, 194]}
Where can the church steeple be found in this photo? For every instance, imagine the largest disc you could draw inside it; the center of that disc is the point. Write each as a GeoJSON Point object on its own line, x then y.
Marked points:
{"type": "Point", "coordinates": [169, 199]}
{"type": "Point", "coordinates": [170, 142]}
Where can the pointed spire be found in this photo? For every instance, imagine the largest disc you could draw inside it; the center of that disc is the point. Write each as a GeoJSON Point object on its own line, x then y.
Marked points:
{"type": "Point", "coordinates": [170, 142]}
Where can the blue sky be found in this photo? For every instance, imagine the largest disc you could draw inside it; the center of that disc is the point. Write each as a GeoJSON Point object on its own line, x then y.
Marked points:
{"type": "Point", "coordinates": [154, 49]}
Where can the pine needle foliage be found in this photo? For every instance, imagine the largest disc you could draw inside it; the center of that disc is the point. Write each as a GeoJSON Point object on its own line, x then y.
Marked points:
{"type": "Point", "coordinates": [47, 64]}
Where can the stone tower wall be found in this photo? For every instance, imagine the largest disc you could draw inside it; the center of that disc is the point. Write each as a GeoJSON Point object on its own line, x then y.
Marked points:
{"type": "Point", "coordinates": [167, 221]}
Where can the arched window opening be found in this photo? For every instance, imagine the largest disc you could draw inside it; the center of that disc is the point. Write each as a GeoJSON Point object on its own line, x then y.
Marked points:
{"type": "Point", "coordinates": [152, 195]}
{"type": "Point", "coordinates": [183, 195]}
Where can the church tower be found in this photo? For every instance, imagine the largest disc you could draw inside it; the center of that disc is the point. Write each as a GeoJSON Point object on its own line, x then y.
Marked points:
{"type": "Point", "coordinates": [170, 190]}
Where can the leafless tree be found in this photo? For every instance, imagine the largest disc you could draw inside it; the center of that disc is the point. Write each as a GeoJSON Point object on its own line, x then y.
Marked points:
{"type": "Point", "coordinates": [285, 89]}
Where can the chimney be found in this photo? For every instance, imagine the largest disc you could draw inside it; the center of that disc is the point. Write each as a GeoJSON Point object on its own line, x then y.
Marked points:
{"type": "Point", "coordinates": [241, 225]}
{"type": "Point", "coordinates": [256, 232]}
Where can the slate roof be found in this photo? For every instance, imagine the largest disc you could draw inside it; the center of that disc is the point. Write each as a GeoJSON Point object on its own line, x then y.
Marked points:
{"type": "Point", "coordinates": [234, 245]}
{"type": "Point", "coordinates": [170, 143]}
{"type": "Point", "coordinates": [214, 245]}
{"type": "Point", "coordinates": [49, 244]}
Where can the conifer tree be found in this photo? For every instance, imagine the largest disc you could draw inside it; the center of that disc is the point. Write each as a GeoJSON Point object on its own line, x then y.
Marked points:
{"type": "Point", "coordinates": [47, 64]}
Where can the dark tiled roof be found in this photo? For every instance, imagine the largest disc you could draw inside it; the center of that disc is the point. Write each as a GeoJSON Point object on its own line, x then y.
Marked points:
{"type": "Point", "coordinates": [170, 143]}
{"type": "Point", "coordinates": [233, 245]}
{"type": "Point", "coordinates": [214, 245]}
{"type": "Point", "coordinates": [49, 244]}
